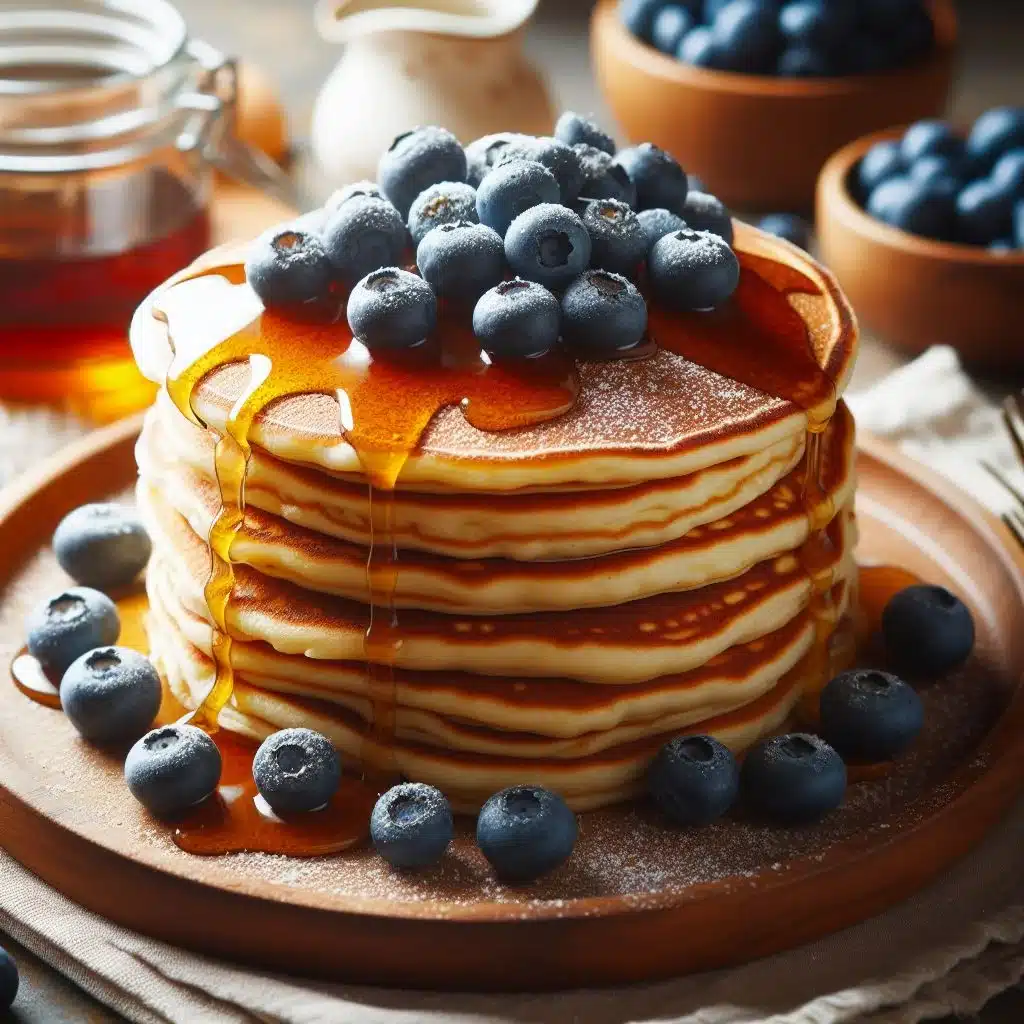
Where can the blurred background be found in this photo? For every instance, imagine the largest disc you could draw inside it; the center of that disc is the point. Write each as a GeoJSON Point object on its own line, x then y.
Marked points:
{"type": "Point", "coordinates": [285, 64]}
{"type": "Point", "coordinates": [279, 37]}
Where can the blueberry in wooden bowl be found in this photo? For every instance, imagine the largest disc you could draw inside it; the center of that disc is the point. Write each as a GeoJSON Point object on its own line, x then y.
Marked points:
{"type": "Point", "coordinates": [924, 228]}
{"type": "Point", "coordinates": [753, 116]}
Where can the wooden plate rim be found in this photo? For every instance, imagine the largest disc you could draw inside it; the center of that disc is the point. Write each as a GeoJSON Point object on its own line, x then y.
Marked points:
{"type": "Point", "coordinates": [996, 769]}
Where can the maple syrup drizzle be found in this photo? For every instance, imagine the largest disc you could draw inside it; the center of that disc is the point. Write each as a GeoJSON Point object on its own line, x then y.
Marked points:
{"type": "Point", "coordinates": [288, 359]}
{"type": "Point", "coordinates": [43, 686]}
{"type": "Point", "coordinates": [760, 339]}
{"type": "Point", "coordinates": [34, 681]}
{"type": "Point", "coordinates": [236, 819]}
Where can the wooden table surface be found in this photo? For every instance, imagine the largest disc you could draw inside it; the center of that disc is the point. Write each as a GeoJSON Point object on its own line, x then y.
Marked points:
{"type": "Point", "coordinates": [278, 36]}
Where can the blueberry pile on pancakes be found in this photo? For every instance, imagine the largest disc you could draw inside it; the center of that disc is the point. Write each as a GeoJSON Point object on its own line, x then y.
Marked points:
{"type": "Point", "coordinates": [480, 377]}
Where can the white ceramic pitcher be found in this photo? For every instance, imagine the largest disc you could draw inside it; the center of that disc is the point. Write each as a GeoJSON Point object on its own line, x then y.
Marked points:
{"type": "Point", "coordinates": [456, 63]}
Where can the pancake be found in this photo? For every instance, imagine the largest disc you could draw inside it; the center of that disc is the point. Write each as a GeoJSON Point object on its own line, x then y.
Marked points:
{"type": "Point", "coordinates": [627, 643]}
{"type": "Point", "coordinates": [621, 429]}
{"type": "Point", "coordinates": [468, 778]}
{"type": "Point", "coordinates": [542, 524]}
{"type": "Point", "coordinates": [774, 523]}
{"type": "Point", "coordinates": [557, 708]}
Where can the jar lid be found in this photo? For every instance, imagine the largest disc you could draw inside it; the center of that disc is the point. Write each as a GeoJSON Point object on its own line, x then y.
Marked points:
{"type": "Point", "coordinates": [65, 46]}
{"type": "Point", "coordinates": [90, 85]}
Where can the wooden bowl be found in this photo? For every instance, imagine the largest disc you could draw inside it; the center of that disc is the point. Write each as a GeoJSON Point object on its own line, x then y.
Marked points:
{"type": "Point", "coordinates": [759, 142]}
{"type": "Point", "coordinates": [914, 292]}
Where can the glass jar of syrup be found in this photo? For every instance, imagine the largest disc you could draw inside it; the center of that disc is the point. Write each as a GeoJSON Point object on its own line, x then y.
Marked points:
{"type": "Point", "coordinates": [111, 121]}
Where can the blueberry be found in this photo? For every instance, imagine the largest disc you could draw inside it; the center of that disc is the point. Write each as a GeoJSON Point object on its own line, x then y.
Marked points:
{"type": "Point", "coordinates": [548, 244]}
{"type": "Point", "coordinates": [870, 716]}
{"type": "Point", "coordinates": [659, 180]}
{"type": "Point", "coordinates": [525, 832]}
{"type": "Point", "coordinates": [411, 825]}
{"type": "Point", "coordinates": [617, 239]}
{"type": "Point", "coordinates": [638, 16]}
{"type": "Point", "coordinates": [445, 203]}
{"type": "Point", "coordinates": [788, 226]}
{"type": "Point", "coordinates": [705, 212]}
{"type": "Point", "coordinates": [603, 313]}
{"type": "Point", "coordinates": [710, 9]}
{"type": "Point", "coordinates": [670, 24]}
{"type": "Point", "coordinates": [793, 779]}
{"type": "Point", "coordinates": [1018, 224]}
{"type": "Point", "coordinates": [418, 159]}
{"type": "Point", "coordinates": [911, 206]}
{"type": "Point", "coordinates": [483, 153]}
{"type": "Point", "coordinates": [510, 189]}
{"type": "Point", "coordinates": [288, 267]}
{"type": "Point", "coordinates": [296, 770]}
{"type": "Point", "coordinates": [817, 23]}
{"type": "Point", "coordinates": [694, 780]}
{"type": "Point", "coordinates": [996, 132]}
{"type": "Point", "coordinates": [700, 48]}
{"type": "Point", "coordinates": [747, 36]}
{"type": "Point", "coordinates": [658, 223]}
{"type": "Point", "coordinates": [804, 62]}
{"type": "Point", "coordinates": [693, 269]}
{"type": "Point", "coordinates": [8, 980]}
{"type": "Point", "coordinates": [603, 178]}
{"type": "Point", "coordinates": [366, 189]}
{"type": "Point", "coordinates": [111, 693]}
{"type": "Point", "coordinates": [884, 160]}
{"type": "Point", "coordinates": [931, 138]}
{"type": "Point", "coordinates": [573, 129]}
{"type": "Point", "coordinates": [927, 630]}
{"type": "Point", "coordinates": [363, 235]}
{"type": "Point", "coordinates": [984, 212]}
{"type": "Point", "coordinates": [102, 545]}
{"type": "Point", "coordinates": [172, 768]}
{"type": "Point", "coordinates": [937, 172]}
{"type": "Point", "coordinates": [392, 308]}
{"type": "Point", "coordinates": [65, 627]}
{"type": "Point", "coordinates": [861, 53]}
{"type": "Point", "coordinates": [461, 260]}
{"type": "Point", "coordinates": [1002, 245]}
{"type": "Point", "coordinates": [881, 17]}
{"type": "Point", "coordinates": [1008, 173]}
{"type": "Point", "coordinates": [517, 318]}
{"type": "Point", "coordinates": [913, 39]}
{"type": "Point", "coordinates": [558, 157]}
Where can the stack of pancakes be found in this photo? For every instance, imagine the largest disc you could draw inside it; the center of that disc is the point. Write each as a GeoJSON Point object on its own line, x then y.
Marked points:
{"type": "Point", "coordinates": [568, 595]}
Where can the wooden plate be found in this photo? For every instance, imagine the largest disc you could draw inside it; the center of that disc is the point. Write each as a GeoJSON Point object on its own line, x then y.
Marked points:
{"type": "Point", "coordinates": [637, 901]}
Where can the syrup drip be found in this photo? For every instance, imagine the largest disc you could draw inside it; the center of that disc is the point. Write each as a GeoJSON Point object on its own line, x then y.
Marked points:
{"type": "Point", "coordinates": [233, 820]}
{"type": "Point", "coordinates": [236, 819]}
{"type": "Point", "coordinates": [382, 641]}
{"type": "Point", "coordinates": [34, 681]}
{"type": "Point", "coordinates": [761, 340]}
{"type": "Point", "coordinates": [43, 686]}
{"type": "Point", "coordinates": [385, 404]}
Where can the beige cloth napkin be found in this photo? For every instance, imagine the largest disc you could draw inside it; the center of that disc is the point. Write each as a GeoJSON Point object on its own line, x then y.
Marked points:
{"type": "Point", "coordinates": [946, 950]}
